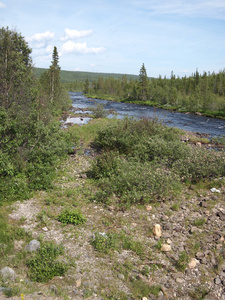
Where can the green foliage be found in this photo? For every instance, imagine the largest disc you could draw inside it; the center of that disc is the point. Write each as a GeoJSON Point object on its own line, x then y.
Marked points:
{"type": "Point", "coordinates": [181, 263]}
{"type": "Point", "coordinates": [6, 238]}
{"type": "Point", "coordinates": [98, 111]}
{"type": "Point", "coordinates": [199, 222]}
{"type": "Point", "coordinates": [141, 289]}
{"type": "Point", "coordinates": [103, 242]}
{"type": "Point", "coordinates": [137, 156]}
{"type": "Point", "coordinates": [44, 265]}
{"type": "Point", "coordinates": [71, 217]}
{"type": "Point", "coordinates": [203, 93]}
{"type": "Point", "coordinates": [11, 292]}
{"type": "Point", "coordinates": [32, 144]}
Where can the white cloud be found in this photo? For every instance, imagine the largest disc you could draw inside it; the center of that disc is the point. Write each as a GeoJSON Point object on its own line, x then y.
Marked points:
{"type": "Point", "coordinates": [73, 34]}
{"type": "Point", "coordinates": [80, 48]}
{"type": "Point", "coordinates": [2, 5]}
{"type": "Point", "coordinates": [40, 37]}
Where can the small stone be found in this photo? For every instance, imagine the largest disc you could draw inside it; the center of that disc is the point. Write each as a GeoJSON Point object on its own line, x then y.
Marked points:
{"type": "Point", "coordinates": [200, 255]}
{"type": "Point", "coordinates": [121, 276]}
{"type": "Point", "coordinates": [157, 230]}
{"type": "Point", "coordinates": [134, 224]}
{"type": "Point", "coordinates": [204, 261]}
{"type": "Point", "coordinates": [192, 264]}
{"type": "Point", "coordinates": [166, 248]}
{"type": "Point", "coordinates": [7, 272]}
{"type": "Point", "coordinates": [144, 298]}
{"type": "Point", "coordinates": [148, 207]}
{"type": "Point", "coordinates": [78, 282]}
{"type": "Point", "coordinates": [45, 229]}
{"type": "Point", "coordinates": [180, 280]}
{"type": "Point", "coordinates": [222, 239]}
{"type": "Point", "coordinates": [33, 245]}
{"type": "Point", "coordinates": [169, 241]}
{"type": "Point", "coordinates": [217, 280]}
{"type": "Point", "coordinates": [214, 190]}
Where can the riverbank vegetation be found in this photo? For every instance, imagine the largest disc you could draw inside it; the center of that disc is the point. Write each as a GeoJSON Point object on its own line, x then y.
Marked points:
{"type": "Point", "coordinates": [203, 93]}
{"type": "Point", "coordinates": [124, 177]}
{"type": "Point", "coordinates": [31, 142]}
{"type": "Point", "coordinates": [100, 202]}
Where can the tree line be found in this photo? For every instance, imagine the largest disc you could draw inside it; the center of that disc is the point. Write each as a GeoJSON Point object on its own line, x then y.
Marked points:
{"type": "Point", "coordinates": [203, 93]}
{"type": "Point", "coordinates": [31, 140]}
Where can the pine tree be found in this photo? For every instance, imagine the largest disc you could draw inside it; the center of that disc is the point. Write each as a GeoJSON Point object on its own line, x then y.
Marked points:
{"type": "Point", "coordinates": [143, 83]}
{"type": "Point", "coordinates": [15, 72]}
{"type": "Point", "coordinates": [54, 75]}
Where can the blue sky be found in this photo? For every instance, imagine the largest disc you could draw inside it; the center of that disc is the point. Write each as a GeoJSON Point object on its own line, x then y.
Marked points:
{"type": "Point", "coordinates": [117, 36]}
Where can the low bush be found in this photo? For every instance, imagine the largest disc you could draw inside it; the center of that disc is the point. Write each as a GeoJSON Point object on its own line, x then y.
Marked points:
{"type": "Point", "coordinates": [71, 217]}
{"type": "Point", "coordinates": [142, 161]}
{"type": "Point", "coordinates": [105, 243]}
{"type": "Point", "coordinates": [133, 182]}
{"type": "Point", "coordinates": [43, 266]}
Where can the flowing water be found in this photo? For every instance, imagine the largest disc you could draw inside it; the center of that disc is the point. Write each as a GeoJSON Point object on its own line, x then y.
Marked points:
{"type": "Point", "coordinates": [211, 126]}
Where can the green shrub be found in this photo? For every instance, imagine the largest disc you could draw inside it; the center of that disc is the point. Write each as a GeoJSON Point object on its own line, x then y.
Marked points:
{"type": "Point", "coordinates": [182, 261]}
{"type": "Point", "coordinates": [99, 111]}
{"type": "Point", "coordinates": [71, 217]}
{"type": "Point", "coordinates": [134, 182]}
{"type": "Point", "coordinates": [43, 266]}
{"type": "Point", "coordinates": [199, 222]}
{"type": "Point", "coordinates": [103, 242]}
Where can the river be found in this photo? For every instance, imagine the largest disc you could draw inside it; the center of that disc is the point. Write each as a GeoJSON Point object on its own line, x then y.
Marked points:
{"type": "Point", "coordinates": [191, 122]}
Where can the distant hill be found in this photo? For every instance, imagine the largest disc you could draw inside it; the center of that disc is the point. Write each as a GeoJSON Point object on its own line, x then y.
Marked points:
{"type": "Point", "coordinates": [72, 76]}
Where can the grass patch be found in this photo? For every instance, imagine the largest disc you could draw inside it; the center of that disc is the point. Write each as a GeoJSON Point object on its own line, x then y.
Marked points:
{"type": "Point", "coordinates": [43, 266]}
{"type": "Point", "coordinates": [105, 243]}
{"type": "Point", "coordinates": [74, 217]}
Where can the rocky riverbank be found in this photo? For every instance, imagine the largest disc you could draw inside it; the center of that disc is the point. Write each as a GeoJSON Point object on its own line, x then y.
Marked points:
{"type": "Point", "coordinates": [184, 258]}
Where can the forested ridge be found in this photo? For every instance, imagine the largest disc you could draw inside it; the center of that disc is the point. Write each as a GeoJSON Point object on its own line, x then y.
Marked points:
{"type": "Point", "coordinates": [204, 93]}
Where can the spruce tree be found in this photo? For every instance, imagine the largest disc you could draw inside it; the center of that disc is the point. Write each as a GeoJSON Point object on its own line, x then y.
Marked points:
{"type": "Point", "coordinates": [54, 75]}
{"type": "Point", "coordinates": [143, 83]}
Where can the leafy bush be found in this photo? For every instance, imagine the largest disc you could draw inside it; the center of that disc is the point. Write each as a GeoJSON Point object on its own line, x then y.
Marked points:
{"type": "Point", "coordinates": [103, 242]}
{"type": "Point", "coordinates": [142, 161]}
{"type": "Point", "coordinates": [43, 266]}
{"type": "Point", "coordinates": [98, 111]}
{"type": "Point", "coordinates": [71, 217]}
{"type": "Point", "coordinates": [134, 182]}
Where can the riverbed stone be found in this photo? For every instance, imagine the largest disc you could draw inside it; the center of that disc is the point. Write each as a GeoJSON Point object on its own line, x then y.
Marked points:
{"type": "Point", "coordinates": [166, 248]}
{"type": "Point", "coordinates": [8, 273]}
{"type": "Point", "coordinates": [33, 246]}
{"type": "Point", "coordinates": [157, 230]}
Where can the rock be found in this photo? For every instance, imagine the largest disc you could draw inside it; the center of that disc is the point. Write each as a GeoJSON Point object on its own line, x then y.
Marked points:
{"type": "Point", "coordinates": [200, 255]}
{"type": "Point", "coordinates": [214, 190]}
{"type": "Point", "coordinates": [157, 230]}
{"type": "Point", "coordinates": [121, 276]}
{"type": "Point", "coordinates": [45, 229]}
{"type": "Point", "coordinates": [148, 207]}
{"type": "Point", "coordinates": [33, 245]}
{"type": "Point", "coordinates": [7, 272]}
{"type": "Point", "coordinates": [180, 280]}
{"type": "Point", "coordinates": [166, 248]}
{"type": "Point", "coordinates": [78, 282]}
{"type": "Point", "coordinates": [193, 263]}
{"type": "Point", "coordinates": [217, 280]}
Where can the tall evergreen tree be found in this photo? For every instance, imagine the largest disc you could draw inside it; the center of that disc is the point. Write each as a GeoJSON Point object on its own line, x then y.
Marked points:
{"type": "Point", "coordinates": [16, 77]}
{"type": "Point", "coordinates": [54, 75]}
{"type": "Point", "coordinates": [143, 83]}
